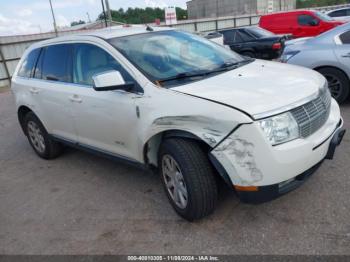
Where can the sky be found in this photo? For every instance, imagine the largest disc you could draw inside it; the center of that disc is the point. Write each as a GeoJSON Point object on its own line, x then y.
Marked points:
{"type": "Point", "coordinates": [34, 16]}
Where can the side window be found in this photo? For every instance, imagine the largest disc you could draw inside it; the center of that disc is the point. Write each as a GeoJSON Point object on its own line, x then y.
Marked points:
{"type": "Point", "coordinates": [245, 36]}
{"type": "Point", "coordinates": [307, 20]}
{"type": "Point", "coordinates": [229, 36]}
{"type": "Point", "coordinates": [56, 64]}
{"type": "Point", "coordinates": [338, 13]}
{"type": "Point", "coordinates": [345, 37]}
{"type": "Point", "coordinates": [238, 38]}
{"type": "Point", "coordinates": [90, 60]}
{"type": "Point", "coordinates": [29, 63]}
{"type": "Point", "coordinates": [38, 72]}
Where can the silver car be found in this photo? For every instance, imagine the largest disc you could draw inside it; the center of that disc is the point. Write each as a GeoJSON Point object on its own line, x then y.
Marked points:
{"type": "Point", "coordinates": [342, 14]}
{"type": "Point", "coordinates": [329, 54]}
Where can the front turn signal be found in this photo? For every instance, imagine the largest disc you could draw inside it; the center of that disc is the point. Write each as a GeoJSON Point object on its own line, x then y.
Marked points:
{"type": "Point", "coordinates": [247, 188]}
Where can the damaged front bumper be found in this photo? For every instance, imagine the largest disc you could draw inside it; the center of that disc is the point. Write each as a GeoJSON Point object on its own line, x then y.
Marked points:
{"type": "Point", "coordinates": [260, 172]}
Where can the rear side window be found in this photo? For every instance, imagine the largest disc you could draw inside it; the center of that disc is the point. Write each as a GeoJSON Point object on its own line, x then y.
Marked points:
{"type": "Point", "coordinates": [229, 36]}
{"type": "Point", "coordinates": [345, 37]}
{"type": "Point", "coordinates": [338, 13]}
{"type": "Point", "coordinates": [307, 20]}
{"type": "Point", "coordinates": [56, 63]}
{"type": "Point", "coordinates": [245, 36]}
{"type": "Point", "coordinates": [29, 63]}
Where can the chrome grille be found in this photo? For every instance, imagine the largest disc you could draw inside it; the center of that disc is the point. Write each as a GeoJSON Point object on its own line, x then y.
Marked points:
{"type": "Point", "coordinates": [312, 115]}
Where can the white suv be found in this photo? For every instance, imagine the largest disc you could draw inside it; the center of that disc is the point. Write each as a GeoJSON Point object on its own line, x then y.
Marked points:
{"type": "Point", "coordinates": [177, 102]}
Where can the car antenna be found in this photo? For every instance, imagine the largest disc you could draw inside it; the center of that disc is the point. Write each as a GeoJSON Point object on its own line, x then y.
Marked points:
{"type": "Point", "coordinates": [148, 28]}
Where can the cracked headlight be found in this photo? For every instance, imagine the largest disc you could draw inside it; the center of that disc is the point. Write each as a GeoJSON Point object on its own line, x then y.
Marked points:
{"type": "Point", "coordinates": [280, 129]}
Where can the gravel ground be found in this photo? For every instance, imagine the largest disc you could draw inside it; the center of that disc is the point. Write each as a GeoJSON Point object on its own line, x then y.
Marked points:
{"type": "Point", "coordinates": [84, 204]}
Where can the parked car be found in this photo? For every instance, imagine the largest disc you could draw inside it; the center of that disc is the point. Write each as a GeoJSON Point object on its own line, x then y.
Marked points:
{"type": "Point", "coordinates": [190, 108]}
{"type": "Point", "coordinates": [329, 54]}
{"type": "Point", "coordinates": [300, 23]}
{"type": "Point", "coordinates": [215, 37]}
{"type": "Point", "coordinates": [254, 42]}
{"type": "Point", "coordinates": [342, 14]}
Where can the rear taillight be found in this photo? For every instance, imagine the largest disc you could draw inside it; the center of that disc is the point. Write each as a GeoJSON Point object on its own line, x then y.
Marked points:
{"type": "Point", "coordinates": [276, 46]}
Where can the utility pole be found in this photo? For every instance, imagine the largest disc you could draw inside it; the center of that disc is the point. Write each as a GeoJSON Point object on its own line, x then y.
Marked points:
{"type": "Point", "coordinates": [88, 16]}
{"type": "Point", "coordinates": [109, 13]}
{"type": "Point", "coordinates": [104, 13]}
{"type": "Point", "coordinates": [54, 19]}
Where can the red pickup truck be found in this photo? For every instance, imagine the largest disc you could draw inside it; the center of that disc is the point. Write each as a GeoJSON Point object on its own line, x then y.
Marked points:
{"type": "Point", "coordinates": [300, 23]}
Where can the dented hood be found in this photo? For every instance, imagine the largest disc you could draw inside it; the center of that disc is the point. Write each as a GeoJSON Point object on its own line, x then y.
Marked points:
{"type": "Point", "coordinates": [259, 87]}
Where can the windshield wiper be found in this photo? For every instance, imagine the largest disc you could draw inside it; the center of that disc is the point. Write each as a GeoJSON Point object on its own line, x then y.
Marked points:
{"type": "Point", "coordinates": [183, 76]}
{"type": "Point", "coordinates": [224, 67]}
{"type": "Point", "coordinates": [227, 66]}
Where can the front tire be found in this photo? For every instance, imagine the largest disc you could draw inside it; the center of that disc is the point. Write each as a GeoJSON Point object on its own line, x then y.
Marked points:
{"type": "Point", "coordinates": [338, 83]}
{"type": "Point", "coordinates": [188, 178]}
{"type": "Point", "coordinates": [39, 139]}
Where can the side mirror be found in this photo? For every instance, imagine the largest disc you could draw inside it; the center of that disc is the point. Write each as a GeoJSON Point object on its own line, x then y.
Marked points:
{"type": "Point", "coordinates": [111, 80]}
{"type": "Point", "coordinates": [314, 22]}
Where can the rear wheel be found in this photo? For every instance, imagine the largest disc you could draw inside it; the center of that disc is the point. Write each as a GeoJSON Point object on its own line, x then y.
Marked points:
{"type": "Point", "coordinates": [188, 178]}
{"type": "Point", "coordinates": [39, 139]}
{"type": "Point", "coordinates": [249, 54]}
{"type": "Point", "coordinates": [338, 83]}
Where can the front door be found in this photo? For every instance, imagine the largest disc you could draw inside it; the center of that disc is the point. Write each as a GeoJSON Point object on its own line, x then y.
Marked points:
{"type": "Point", "coordinates": [307, 26]}
{"type": "Point", "coordinates": [107, 120]}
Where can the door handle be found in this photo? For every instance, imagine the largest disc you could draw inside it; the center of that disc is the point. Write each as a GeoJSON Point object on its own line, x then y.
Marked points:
{"type": "Point", "coordinates": [347, 55]}
{"type": "Point", "coordinates": [34, 90]}
{"type": "Point", "coordinates": [75, 98]}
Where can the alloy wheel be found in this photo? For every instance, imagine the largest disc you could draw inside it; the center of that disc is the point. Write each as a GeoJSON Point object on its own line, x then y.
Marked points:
{"type": "Point", "coordinates": [335, 86]}
{"type": "Point", "coordinates": [36, 137]}
{"type": "Point", "coordinates": [174, 181]}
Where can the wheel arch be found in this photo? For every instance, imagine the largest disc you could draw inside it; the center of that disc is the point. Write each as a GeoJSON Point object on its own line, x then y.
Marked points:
{"type": "Point", "coordinates": [248, 50]}
{"type": "Point", "coordinates": [151, 149]}
{"type": "Point", "coordinates": [333, 67]}
{"type": "Point", "coordinates": [21, 114]}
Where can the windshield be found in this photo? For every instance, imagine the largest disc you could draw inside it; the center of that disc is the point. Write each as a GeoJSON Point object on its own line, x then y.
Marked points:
{"type": "Point", "coordinates": [167, 54]}
{"type": "Point", "coordinates": [324, 17]}
{"type": "Point", "coordinates": [259, 32]}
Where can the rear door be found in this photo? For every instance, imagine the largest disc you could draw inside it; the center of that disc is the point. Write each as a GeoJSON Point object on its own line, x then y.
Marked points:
{"type": "Point", "coordinates": [53, 88]}
{"type": "Point", "coordinates": [342, 49]}
{"type": "Point", "coordinates": [23, 83]}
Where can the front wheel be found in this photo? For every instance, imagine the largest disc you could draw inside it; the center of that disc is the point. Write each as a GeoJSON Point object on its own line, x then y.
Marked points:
{"type": "Point", "coordinates": [188, 178]}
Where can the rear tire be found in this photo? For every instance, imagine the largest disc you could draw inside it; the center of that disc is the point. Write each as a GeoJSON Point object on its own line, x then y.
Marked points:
{"type": "Point", "coordinates": [192, 177]}
{"type": "Point", "coordinates": [248, 54]}
{"type": "Point", "coordinates": [338, 83]}
{"type": "Point", "coordinates": [39, 139]}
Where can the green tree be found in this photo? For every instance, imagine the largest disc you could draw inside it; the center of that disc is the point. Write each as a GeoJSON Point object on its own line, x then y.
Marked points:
{"type": "Point", "coordinates": [80, 22]}
{"type": "Point", "coordinates": [142, 16]}
{"type": "Point", "coordinates": [317, 3]}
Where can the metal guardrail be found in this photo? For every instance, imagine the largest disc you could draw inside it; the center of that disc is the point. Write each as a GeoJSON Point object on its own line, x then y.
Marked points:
{"type": "Point", "coordinates": [331, 7]}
